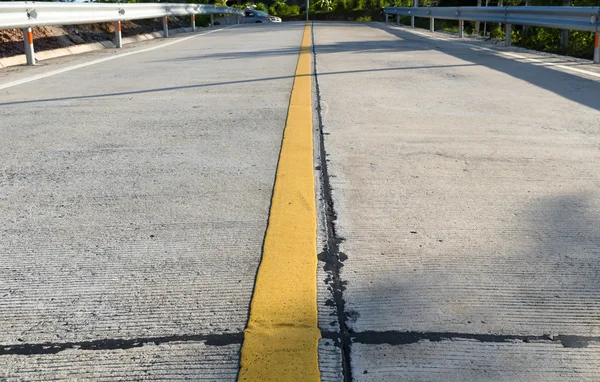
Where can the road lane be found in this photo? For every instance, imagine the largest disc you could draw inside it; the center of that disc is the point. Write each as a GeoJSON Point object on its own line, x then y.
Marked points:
{"type": "Point", "coordinates": [466, 193]}
{"type": "Point", "coordinates": [135, 196]}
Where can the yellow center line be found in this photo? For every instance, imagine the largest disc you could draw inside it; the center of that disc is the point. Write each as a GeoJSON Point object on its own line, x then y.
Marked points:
{"type": "Point", "coordinates": [281, 340]}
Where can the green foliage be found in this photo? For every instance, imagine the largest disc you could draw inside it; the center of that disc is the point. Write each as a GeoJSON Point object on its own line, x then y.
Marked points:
{"type": "Point", "coordinates": [497, 32]}
{"type": "Point", "coordinates": [202, 20]}
{"type": "Point", "coordinates": [372, 4]}
{"type": "Point", "coordinates": [262, 7]}
{"type": "Point", "coordinates": [326, 5]}
{"type": "Point", "coordinates": [364, 19]}
{"type": "Point", "coordinates": [341, 5]}
{"type": "Point", "coordinates": [288, 10]}
{"type": "Point", "coordinates": [280, 8]}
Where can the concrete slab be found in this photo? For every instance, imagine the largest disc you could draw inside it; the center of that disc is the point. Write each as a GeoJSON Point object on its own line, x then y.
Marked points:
{"type": "Point", "coordinates": [457, 361]}
{"type": "Point", "coordinates": [135, 195]}
{"type": "Point", "coordinates": [173, 361]}
{"type": "Point", "coordinates": [466, 191]}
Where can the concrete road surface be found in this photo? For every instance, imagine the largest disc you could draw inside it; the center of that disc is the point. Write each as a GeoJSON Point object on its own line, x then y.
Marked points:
{"type": "Point", "coordinates": [467, 192]}
{"type": "Point", "coordinates": [135, 196]}
{"type": "Point", "coordinates": [458, 207]}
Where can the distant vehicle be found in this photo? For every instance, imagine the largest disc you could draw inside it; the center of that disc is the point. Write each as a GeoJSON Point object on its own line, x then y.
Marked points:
{"type": "Point", "coordinates": [252, 16]}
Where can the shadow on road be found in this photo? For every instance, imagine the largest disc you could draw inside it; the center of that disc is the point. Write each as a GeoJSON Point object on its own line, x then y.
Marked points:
{"type": "Point", "coordinates": [569, 86]}
{"type": "Point", "coordinates": [195, 86]}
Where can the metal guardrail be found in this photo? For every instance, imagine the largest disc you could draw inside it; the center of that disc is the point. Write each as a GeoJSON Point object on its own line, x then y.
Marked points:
{"type": "Point", "coordinates": [571, 18]}
{"type": "Point", "coordinates": [25, 15]}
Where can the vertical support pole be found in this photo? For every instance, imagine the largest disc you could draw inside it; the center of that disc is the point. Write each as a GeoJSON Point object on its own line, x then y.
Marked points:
{"type": "Point", "coordinates": [525, 27]}
{"type": "Point", "coordinates": [193, 23]}
{"type": "Point", "coordinates": [500, 4]}
{"type": "Point", "coordinates": [387, 17]}
{"type": "Point", "coordinates": [118, 36]}
{"type": "Point", "coordinates": [597, 48]}
{"type": "Point", "coordinates": [432, 24]}
{"type": "Point", "coordinates": [166, 26]}
{"type": "Point", "coordinates": [28, 40]}
{"type": "Point", "coordinates": [477, 23]}
{"type": "Point", "coordinates": [508, 33]}
{"type": "Point", "coordinates": [307, 9]}
{"type": "Point", "coordinates": [564, 33]}
{"type": "Point", "coordinates": [212, 20]}
{"type": "Point", "coordinates": [412, 18]}
{"type": "Point", "coordinates": [461, 28]}
{"type": "Point", "coordinates": [397, 19]}
{"type": "Point", "coordinates": [564, 38]}
{"type": "Point", "coordinates": [487, 3]}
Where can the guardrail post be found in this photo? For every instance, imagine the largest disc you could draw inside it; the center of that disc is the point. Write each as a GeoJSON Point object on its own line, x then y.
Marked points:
{"type": "Point", "coordinates": [166, 26]}
{"type": "Point", "coordinates": [412, 18]}
{"type": "Point", "coordinates": [397, 19]}
{"type": "Point", "coordinates": [193, 23]}
{"type": "Point", "coordinates": [477, 23]}
{"type": "Point", "coordinates": [118, 39]}
{"type": "Point", "coordinates": [387, 18]}
{"type": "Point", "coordinates": [525, 27]}
{"type": "Point", "coordinates": [461, 28]}
{"type": "Point", "coordinates": [431, 24]}
{"type": "Point", "coordinates": [564, 33]}
{"type": "Point", "coordinates": [597, 48]}
{"type": "Point", "coordinates": [508, 34]}
{"type": "Point", "coordinates": [212, 20]}
{"type": "Point", "coordinates": [28, 40]}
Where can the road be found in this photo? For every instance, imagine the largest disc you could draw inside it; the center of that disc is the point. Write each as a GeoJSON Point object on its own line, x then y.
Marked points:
{"type": "Point", "coordinates": [455, 198]}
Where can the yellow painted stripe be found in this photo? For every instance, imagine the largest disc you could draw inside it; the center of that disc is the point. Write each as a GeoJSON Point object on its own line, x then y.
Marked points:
{"type": "Point", "coordinates": [281, 340]}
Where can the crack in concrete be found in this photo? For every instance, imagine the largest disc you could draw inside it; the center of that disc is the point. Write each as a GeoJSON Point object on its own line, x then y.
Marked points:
{"type": "Point", "coordinates": [405, 338]}
{"type": "Point", "coordinates": [222, 339]}
{"type": "Point", "coordinates": [394, 338]}
{"type": "Point", "coordinates": [331, 255]}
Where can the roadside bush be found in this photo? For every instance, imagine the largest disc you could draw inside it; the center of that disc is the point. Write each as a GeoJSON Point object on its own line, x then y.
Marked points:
{"type": "Point", "coordinates": [261, 7]}
{"type": "Point", "coordinates": [364, 19]}
{"type": "Point", "coordinates": [341, 5]}
{"type": "Point", "coordinates": [203, 20]}
{"type": "Point", "coordinates": [288, 10]}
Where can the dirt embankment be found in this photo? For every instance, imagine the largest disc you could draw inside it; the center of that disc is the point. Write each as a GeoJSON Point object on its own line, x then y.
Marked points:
{"type": "Point", "coordinates": [54, 37]}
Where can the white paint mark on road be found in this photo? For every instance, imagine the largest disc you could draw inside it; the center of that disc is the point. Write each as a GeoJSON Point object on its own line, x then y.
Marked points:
{"type": "Point", "coordinates": [509, 54]}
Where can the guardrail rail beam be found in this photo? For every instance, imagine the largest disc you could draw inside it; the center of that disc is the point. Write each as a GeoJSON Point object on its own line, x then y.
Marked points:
{"type": "Point", "coordinates": [26, 15]}
{"type": "Point", "coordinates": [567, 18]}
